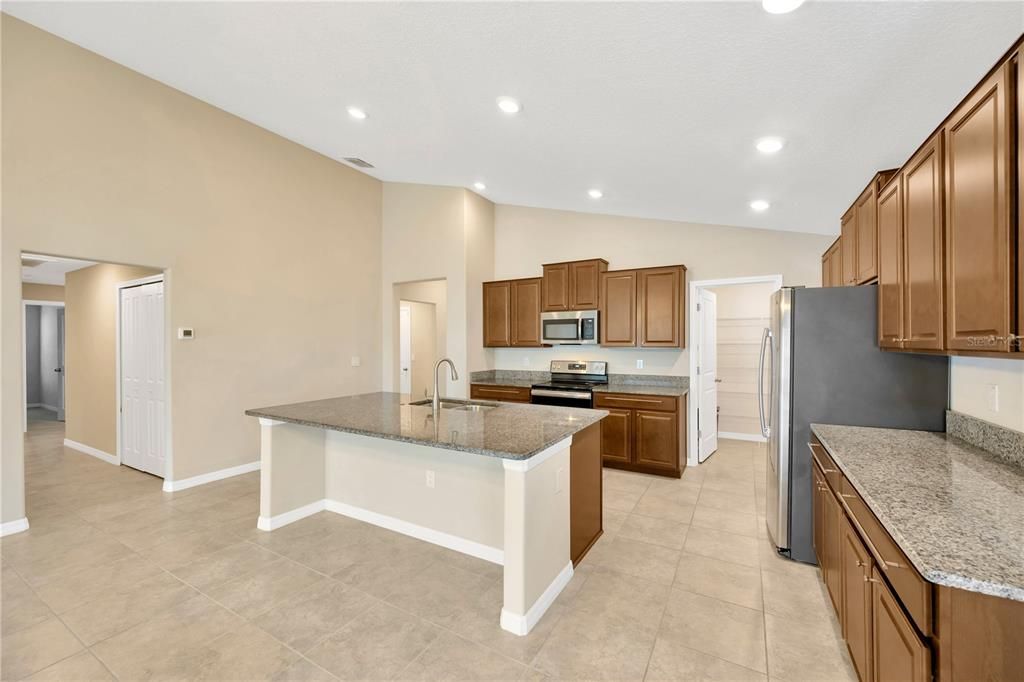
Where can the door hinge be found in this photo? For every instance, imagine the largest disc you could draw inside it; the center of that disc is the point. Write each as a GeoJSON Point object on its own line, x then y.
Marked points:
{"type": "Point", "coordinates": [698, 369]}
{"type": "Point", "coordinates": [698, 307]}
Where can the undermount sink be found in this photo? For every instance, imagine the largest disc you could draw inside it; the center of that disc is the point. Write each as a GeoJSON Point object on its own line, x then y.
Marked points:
{"type": "Point", "coordinates": [461, 405]}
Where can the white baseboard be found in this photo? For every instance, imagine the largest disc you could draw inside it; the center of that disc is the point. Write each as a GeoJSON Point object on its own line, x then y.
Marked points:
{"type": "Point", "coordinates": [31, 405]}
{"type": "Point", "coordinates": [51, 408]}
{"type": "Point", "coordinates": [521, 625]}
{"type": "Point", "coordinates": [453, 542]}
{"type": "Point", "coordinates": [753, 437]}
{"type": "Point", "coordinates": [12, 527]}
{"type": "Point", "coordinates": [275, 522]}
{"type": "Point", "coordinates": [174, 486]}
{"type": "Point", "coordinates": [89, 450]}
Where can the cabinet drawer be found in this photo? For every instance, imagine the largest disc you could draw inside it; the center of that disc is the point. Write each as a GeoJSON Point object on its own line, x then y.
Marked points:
{"type": "Point", "coordinates": [515, 394]}
{"type": "Point", "coordinates": [828, 467]}
{"type": "Point", "coordinates": [914, 591]}
{"type": "Point", "coordinates": [635, 402]}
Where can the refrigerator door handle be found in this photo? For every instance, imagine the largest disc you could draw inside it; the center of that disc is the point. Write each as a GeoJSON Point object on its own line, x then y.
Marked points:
{"type": "Point", "coordinates": [766, 336]}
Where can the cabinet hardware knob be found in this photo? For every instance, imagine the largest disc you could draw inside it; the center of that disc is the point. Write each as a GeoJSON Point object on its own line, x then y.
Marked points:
{"type": "Point", "coordinates": [848, 496]}
{"type": "Point", "coordinates": [868, 579]}
{"type": "Point", "coordinates": [830, 471]}
{"type": "Point", "coordinates": [861, 563]}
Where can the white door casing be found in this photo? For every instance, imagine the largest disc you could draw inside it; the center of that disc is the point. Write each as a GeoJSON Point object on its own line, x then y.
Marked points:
{"type": "Point", "coordinates": [143, 390]}
{"type": "Point", "coordinates": [60, 369]}
{"type": "Point", "coordinates": [708, 366]}
{"type": "Point", "coordinates": [405, 349]}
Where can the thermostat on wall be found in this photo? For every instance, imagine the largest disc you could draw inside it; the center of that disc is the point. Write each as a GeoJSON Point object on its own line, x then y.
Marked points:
{"type": "Point", "coordinates": [186, 333]}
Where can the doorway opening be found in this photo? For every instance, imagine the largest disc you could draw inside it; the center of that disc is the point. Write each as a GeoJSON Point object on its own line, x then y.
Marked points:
{"type": "Point", "coordinates": [728, 317]}
{"type": "Point", "coordinates": [422, 317]}
{"type": "Point", "coordinates": [95, 351]}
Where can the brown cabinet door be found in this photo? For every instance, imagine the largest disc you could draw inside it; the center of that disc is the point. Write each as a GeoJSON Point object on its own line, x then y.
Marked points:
{"type": "Point", "coordinates": [848, 238]}
{"type": "Point", "coordinates": [867, 236]}
{"type": "Point", "coordinates": [657, 443]}
{"type": "Point", "coordinates": [497, 314]}
{"type": "Point", "coordinates": [618, 308]}
{"type": "Point", "coordinates": [855, 566]}
{"type": "Point", "coordinates": [584, 284]}
{"type": "Point", "coordinates": [585, 519]}
{"type": "Point", "coordinates": [826, 268]}
{"type": "Point", "coordinates": [660, 293]}
{"type": "Point", "coordinates": [617, 436]}
{"type": "Point", "coordinates": [837, 265]}
{"type": "Point", "coordinates": [556, 287]}
{"type": "Point", "coordinates": [817, 512]}
{"type": "Point", "coordinates": [923, 311]}
{"type": "Point", "coordinates": [890, 266]}
{"type": "Point", "coordinates": [979, 209]}
{"type": "Point", "coordinates": [526, 295]}
{"type": "Point", "coordinates": [897, 653]}
{"type": "Point", "coordinates": [830, 538]}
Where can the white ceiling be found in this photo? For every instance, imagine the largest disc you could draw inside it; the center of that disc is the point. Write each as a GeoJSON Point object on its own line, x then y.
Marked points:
{"type": "Point", "coordinates": [51, 270]}
{"type": "Point", "coordinates": [657, 104]}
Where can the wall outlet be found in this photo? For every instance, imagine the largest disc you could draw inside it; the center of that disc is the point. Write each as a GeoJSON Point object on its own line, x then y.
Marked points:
{"type": "Point", "coordinates": [639, 364]}
{"type": "Point", "coordinates": [526, 362]}
{"type": "Point", "coordinates": [559, 480]}
{"type": "Point", "coordinates": [356, 361]}
{"type": "Point", "coordinates": [992, 397]}
{"type": "Point", "coordinates": [430, 478]}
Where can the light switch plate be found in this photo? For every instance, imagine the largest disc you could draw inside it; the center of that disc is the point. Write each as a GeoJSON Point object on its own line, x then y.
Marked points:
{"type": "Point", "coordinates": [992, 397]}
{"type": "Point", "coordinates": [639, 364]}
{"type": "Point", "coordinates": [356, 361]}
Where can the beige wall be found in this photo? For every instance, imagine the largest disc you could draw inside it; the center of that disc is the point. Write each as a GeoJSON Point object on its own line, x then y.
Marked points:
{"type": "Point", "coordinates": [525, 238]}
{"type": "Point", "coordinates": [970, 382]}
{"type": "Point", "coordinates": [272, 252]}
{"type": "Point", "coordinates": [42, 292]}
{"type": "Point", "coordinates": [429, 233]}
{"type": "Point", "coordinates": [90, 352]}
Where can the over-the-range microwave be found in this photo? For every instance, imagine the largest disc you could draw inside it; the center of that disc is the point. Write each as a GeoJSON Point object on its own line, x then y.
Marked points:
{"type": "Point", "coordinates": [571, 327]}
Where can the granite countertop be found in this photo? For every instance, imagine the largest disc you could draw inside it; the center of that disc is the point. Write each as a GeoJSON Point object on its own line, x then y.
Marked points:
{"type": "Point", "coordinates": [517, 381]}
{"type": "Point", "coordinates": [508, 430]}
{"type": "Point", "coordinates": [644, 389]}
{"type": "Point", "coordinates": [637, 384]}
{"type": "Point", "coordinates": [956, 510]}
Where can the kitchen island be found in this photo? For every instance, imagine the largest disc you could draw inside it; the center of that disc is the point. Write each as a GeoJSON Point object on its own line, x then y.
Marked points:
{"type": "Point", "coordinates": [492, 480]}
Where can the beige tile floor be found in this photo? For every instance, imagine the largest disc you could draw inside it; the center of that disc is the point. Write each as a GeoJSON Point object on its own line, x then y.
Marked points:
{"type": "Point", "coordinates": [118, 580]}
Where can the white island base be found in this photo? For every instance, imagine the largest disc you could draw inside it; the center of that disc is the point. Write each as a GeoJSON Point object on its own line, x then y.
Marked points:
{"type": "Point", "coordinates": [512, 512]}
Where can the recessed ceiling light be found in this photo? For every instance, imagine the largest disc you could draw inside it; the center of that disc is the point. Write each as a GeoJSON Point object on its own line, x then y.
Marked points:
{"type": "Point", "coordinates": [760, 205]}
{"type": "Point", "coordinates": [480, 186]}
{"type": "Point", "coordinates": [510, 105]}
{"type": "Point", "coordinates": [780, 6]}
{"type": "Point", "coordinates": [595, 193]}
{"type": "Point", "coordinates": [357, 113]}
{"type": "Point", "coordinates": [769, 145]}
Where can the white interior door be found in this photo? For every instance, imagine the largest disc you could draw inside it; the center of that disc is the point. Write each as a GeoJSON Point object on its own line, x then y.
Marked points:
{"type": "Point", "coordinates": [143, 393]}
{"type": "Point", "coordinates": [405, 349]}
{"type": "Point", "coordinates": [60, 365]}
{"type": "Point", "coordinates": [707, 419]}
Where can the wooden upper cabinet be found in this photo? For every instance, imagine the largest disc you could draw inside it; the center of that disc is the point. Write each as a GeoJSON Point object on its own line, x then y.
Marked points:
{"type": "Point", "coordinates": [1016, 59]}
{"type": "Point", "coordinates": [922, 217]}
{"type": "Point", "coordinates": [980, 283]}
{"type": "Point", "coordinates": [525, 311]}
{"type": "Point", "coordinates": [617, 319]}
{"type": "Point", "coordinates": [573, 286]}
{"type": "Point", "coordinates": [890, 265]}
{"type": "Point", "coordinates": [897, 651]}
{"type": "Point", "coordinates": [836, 263]}
{"type": "Point", "coordinates": [848, 239]}
{"type": "Point", "coordinates": [826, 269]}
{"type": "Point", "coordinates": [660, 307]}
{"type": "Point", "coordinates": [497, 314]}
{"type": "Point", "coordinates": [867, 234]}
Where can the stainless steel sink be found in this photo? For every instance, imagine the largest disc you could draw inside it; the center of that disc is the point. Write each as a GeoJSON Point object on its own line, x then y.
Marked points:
{"type": "Point", "coordinates": [461, 405]}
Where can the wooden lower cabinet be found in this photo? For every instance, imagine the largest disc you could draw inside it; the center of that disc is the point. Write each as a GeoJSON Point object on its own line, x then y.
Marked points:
{"type": "Point", "coordinates": [832, 516]}
{"type": "Point", "coordinates": [855, 568]}
{"type": "Point", "coordinates": [898, 653]}
{"type": "Point", "coordinates": [505, 394]}
{"type": "Point", "coordinates": [643, 433]}
{"type": "Point", "coordinates": [585, 492]}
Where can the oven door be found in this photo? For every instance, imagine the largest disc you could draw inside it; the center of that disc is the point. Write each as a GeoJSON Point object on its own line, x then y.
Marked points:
{"type": "Point", "coordinates": [561, 398]}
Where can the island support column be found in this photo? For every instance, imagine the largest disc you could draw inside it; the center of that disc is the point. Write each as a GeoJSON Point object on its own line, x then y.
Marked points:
{"type": "Point", "coordinates": [536, 536]}
{"type": "Point", "coordinates": [291, 473]}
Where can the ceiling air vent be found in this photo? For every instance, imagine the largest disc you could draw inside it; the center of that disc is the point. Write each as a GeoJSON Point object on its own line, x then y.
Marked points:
{"type": "Point", "coordinates": [358, 163]}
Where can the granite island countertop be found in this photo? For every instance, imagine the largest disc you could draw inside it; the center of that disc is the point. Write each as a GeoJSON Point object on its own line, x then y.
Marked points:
{"type": "Point", "coordinates": [955, 510]}
{"type": "Point", "coordinates": [506, 430]}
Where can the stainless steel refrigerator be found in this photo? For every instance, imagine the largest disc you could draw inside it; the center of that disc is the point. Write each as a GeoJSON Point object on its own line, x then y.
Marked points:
{"type": "Point", "coordinates": [820, 363]}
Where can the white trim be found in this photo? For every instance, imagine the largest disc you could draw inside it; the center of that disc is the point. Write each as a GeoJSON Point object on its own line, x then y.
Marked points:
{"type": "Point", "coordinates": [538, 459]}
{"type": "Point", "coordinates": [50, 408]}
{"type": "Point", "coordinates": [25, 303]}
{"type": "Point", "coordinates": [693, 334]}
{"type": "Point", "coordinates": [275, 522]}
{"type": "Point", "coordinates": [521, 625]}
{"type": "Point", "coordinates": [32, 405]}
{"type": "Point", "coordinates": [12, 527]}
{"type": "Point", "coordinates": [752, 437]}
{"type": "Point", "coordinates": [174, 486]}
{"type": "Point", "coordinates": [436, 537]}
{"type": "Point", "coordinates": [168, 456]}
{"type": "Point", "coordinates": [90, 450]}
{"type": "Point", "coordinates": [264, 421]}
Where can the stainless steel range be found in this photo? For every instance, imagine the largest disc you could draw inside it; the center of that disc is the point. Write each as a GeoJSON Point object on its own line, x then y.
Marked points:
{"type": "Point", "coordinates": [572, 383]}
